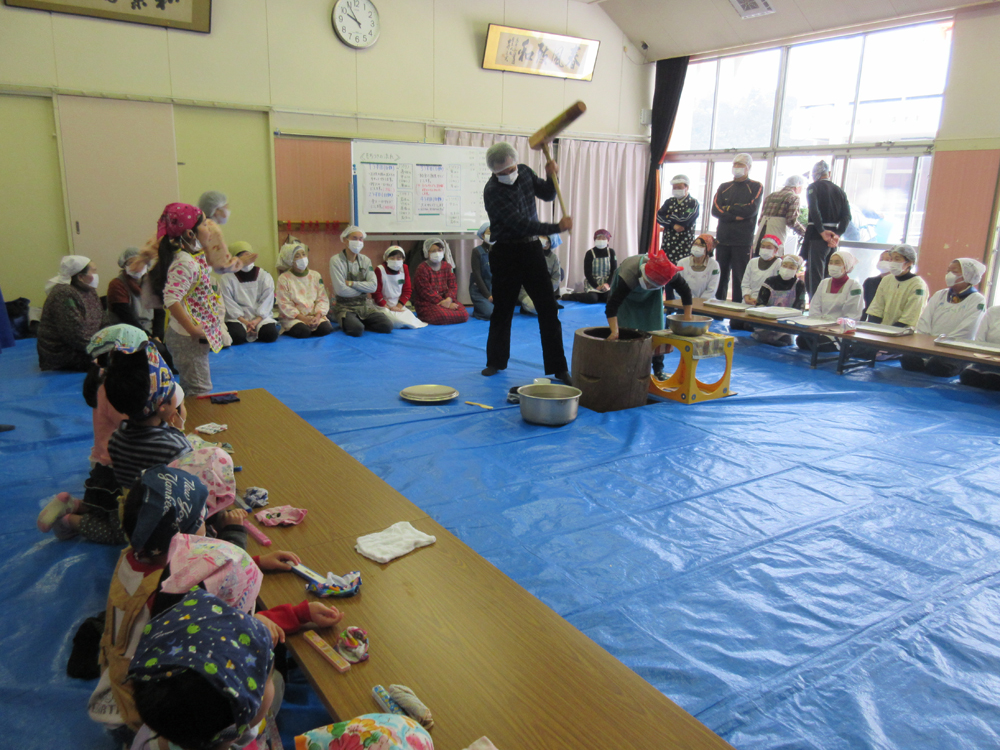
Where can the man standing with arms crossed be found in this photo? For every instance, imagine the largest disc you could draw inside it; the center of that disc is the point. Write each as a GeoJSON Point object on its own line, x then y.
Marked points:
{"type": "Point", "coordinates": [735, 206]}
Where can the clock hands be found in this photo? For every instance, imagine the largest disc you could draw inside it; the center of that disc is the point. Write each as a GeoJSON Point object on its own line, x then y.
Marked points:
{"type": "Point", "coordinates": [351, 14]}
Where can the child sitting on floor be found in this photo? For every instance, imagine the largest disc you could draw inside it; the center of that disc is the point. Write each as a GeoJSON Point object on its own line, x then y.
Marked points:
{"type": "Point", "coordinates": [203, 677]}
{"type": "Point", "coordinates": [785, 289]}
{"type": "Point", "coordinates": [95, 517]}
{"type": "Point", "coordinates": [168, 559]}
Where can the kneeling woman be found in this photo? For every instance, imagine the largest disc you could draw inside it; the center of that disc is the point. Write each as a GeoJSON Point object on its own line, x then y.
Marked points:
{"type": "Point", "coordinates": [436, 289]}
{"type": "Point", "coordinates": [782, 290]}
{"type": "Point", "coordinates": [302, 299]}
{"type": "Point", "coordinates": [249, 298]}
{"type": "Point", "coordinates": [394, 290]}
{"type": "Point", "coordinates": [636, 298]}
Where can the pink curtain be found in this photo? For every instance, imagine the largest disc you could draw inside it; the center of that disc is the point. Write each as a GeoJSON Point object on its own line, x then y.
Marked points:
{"type": "Point", "coordinates": [603, 183]}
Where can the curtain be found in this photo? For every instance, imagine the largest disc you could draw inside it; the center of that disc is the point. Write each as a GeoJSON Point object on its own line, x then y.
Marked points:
{"type": "Point", "coordinates": [670, 76]}
{"type": "Point", "coordinates": [602, 184]}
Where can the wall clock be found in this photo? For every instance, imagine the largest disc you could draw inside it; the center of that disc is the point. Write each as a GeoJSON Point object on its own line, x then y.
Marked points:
{"type": "Point", "coordinates": [356, 22]}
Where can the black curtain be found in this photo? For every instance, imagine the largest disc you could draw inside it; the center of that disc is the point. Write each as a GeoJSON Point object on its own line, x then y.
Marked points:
{"type": "Point", "coordinates": [667, 95]}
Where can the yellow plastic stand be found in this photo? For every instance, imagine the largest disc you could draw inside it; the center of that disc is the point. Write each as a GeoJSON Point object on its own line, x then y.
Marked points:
{"type": "Point", "coordinates": [683, 385]}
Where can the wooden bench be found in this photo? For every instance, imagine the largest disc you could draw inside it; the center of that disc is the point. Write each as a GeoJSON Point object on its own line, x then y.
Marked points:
{"type": "Point", "coordinates": [487, 657]}
{"type": "Point", "coordinates": [917, 343]}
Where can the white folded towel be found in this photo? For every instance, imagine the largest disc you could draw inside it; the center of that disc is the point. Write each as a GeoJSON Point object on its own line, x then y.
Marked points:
{"type": "Point", "coordinates": [396, 541]}
{"type": "Point", "coordinates": [483, 743]}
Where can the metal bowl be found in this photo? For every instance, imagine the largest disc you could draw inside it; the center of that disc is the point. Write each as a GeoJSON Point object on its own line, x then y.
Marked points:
{"type": "Point", "coordinates": [551, 405]}
{"type": "Point", "coordinates": [697, 326]}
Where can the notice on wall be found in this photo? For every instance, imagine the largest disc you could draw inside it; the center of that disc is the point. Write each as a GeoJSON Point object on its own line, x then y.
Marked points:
{"type": "Point", "coordinates": [405, 177]}
{"type": "Point", "coordinates": [380, 197]}
{"type": "Point", "coordinates": [453, 211]}
{"type": "Point", "coordinates": [406, 206]}
{"type": "Point", "coordinates": [430, 179]}
{"type": "Point", "coordinates": [454, 178]}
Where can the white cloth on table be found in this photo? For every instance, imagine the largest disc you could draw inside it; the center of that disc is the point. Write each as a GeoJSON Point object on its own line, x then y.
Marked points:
{"type": "Point", "coordinates": [483, 743]}
{"type": "Point", "coordinates": [704, 283]}
{"type": "Point", "coordinates": [849, 302]}
{"type": "Point", "coordinates": [941, 317]}
{"type": "Point", "coordinates": [396, 541]}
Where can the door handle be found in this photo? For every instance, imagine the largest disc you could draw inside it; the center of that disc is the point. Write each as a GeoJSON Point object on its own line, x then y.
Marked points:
{"type": "Point", "coordinates": [78, 227]}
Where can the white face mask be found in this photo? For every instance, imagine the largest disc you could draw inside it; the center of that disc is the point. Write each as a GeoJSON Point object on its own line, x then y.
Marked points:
{"type": "Point", "coordinates": [395, 265]}
{"type": "Point", "coordinates": [224, 218]}
{"type": "Point", "coordinates": [355, 246]}
{"type": "Point", "coordinates": [787, 273]}
{"type": "Point", "coordinates": [248, 267]}
{"type": "Point", "coordinates": [136, 275]}
{"type": "Point", "coordinates": [767, 253]}
{"type": "Point", "coordinates": [697, 251]}
{"type": "Point", "coordinates": [645, 283]}
{"type": "Point", "coordinates": [601, 244]}
{"type": "Point", "coordinates": [508, 179]}
{"type": "Point", "coordinates": [739, 171]}
{"type": "Point", "coordinates": [436, 257]}
{"type": "Point", "coordinates": [952, 278]}
{"type": "Point", "coordinates": [883, 266]}
{"type": "Point", "coordinates": [895, 268]}
{"type": "Point", "coordinates": [679, 192]}
{"type": "Point", "coordinates": [486, 239]}
{"type": "Point", "coordinates": [546, 246]}
{"type": "Point", "coordinates": [302, 263]}
{"type": "Point", "coordinates": [836, 271]}
{"type": "Point", "coordinates": [95, 280]}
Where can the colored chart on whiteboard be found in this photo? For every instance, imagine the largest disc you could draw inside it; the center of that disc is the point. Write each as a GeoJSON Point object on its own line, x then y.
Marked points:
{"type": "Point", "coordinates": [430, 189]}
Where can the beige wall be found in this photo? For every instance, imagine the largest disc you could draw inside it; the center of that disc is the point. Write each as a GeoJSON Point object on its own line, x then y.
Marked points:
{"type": "Point", "coordinates": [426, 67]}
{"type": "Point", "coordinates": [32, 218]}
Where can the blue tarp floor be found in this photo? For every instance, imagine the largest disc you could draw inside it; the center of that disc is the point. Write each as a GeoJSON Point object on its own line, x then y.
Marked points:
{"type": "Point", "coordinates": [812, 563]}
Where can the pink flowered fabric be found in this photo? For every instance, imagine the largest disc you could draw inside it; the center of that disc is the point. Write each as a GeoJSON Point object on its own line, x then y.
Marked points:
{"type": "Point", "coordinates": [214, 467]}
{"type": "Point", "coordinates": [282, 515]}
{"type": "Point", "coordinates": [176, 219]}
{"type": "Point", "coordinates": [225, 570]}
{"type": "Point", "coordinates": [188, 282]}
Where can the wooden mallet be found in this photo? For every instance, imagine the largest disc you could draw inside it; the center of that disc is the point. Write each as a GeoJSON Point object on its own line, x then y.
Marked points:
{"type": "Point", "coordinates": [548, 133]}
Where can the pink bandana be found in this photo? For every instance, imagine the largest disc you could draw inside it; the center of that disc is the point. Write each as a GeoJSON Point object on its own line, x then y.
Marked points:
{"type": "Point", "coordinates": [282, 515]}
{"type": "Point", "coordinates": [176, 219]}
{"type": "Point", "coordinates": [223, 568]}
{"type": "Point", "coordinates": [214, 467]}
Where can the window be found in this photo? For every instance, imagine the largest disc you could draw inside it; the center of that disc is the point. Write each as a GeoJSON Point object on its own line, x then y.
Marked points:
{"type": "Point", "coordinates": [868, 104]}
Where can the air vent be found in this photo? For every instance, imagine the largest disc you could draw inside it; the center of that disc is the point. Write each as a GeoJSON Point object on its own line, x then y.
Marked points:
{"type": "Point", "coordinates": [752, 8]}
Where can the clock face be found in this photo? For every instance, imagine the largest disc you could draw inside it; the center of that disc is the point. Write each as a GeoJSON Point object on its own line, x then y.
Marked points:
{"type": "Point", "coordinates": [356, 22]}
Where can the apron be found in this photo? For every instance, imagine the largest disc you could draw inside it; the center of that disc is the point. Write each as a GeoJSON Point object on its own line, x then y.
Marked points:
{"type": "Point", "coordinates": [778, 299]}
{"type": "Point", "coordinates": [776, 225]}
{"type": "Point", "coordinates": [362, 306]}
{"type": "Point", "coordinates": [642, 309]}
{"type": "Point", "coordinates": [601, 269]}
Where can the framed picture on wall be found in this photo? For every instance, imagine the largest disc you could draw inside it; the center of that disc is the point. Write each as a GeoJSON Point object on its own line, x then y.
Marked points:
{"type": "Point", "coordinates": [190, 15]}
{"type": "Point", "coordinates": [539, 53]}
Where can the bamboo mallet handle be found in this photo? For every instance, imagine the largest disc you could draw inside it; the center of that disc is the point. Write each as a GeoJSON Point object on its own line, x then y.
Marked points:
{"type": "Point", "coordinates": [555, 181]}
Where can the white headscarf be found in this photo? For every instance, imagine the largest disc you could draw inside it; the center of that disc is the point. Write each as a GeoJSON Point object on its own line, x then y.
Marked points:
{"type": "Point", "coordinates": [393, 249]}
{"type": "Point", "coordinates": [972, 270]}
{"type": "Point", "coordinates": [69, 266]}
{"type": "Point", "coordinates": [351, 230]}
{"type": "Point", "coordinates": [847, 259]}
{"type": "Point", "coordinates": [286, 256]}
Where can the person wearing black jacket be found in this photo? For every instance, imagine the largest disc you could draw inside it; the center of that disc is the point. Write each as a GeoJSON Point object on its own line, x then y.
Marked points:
{"type": "Point", "coordinates": [598, 268]}
{"type": "Point", "coordinates": [735, 206]}
{"type": "Point", "coordinates": [829, 215]}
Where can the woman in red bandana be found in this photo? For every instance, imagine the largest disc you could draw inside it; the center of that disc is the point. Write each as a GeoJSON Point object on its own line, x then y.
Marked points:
{"type": "Point", "coordinates": [636, 299]}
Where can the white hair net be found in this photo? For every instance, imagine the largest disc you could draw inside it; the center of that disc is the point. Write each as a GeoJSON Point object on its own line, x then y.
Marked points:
{"type": "Point", "coordinates": [796, 180]}
{"type": "Point", "coordinates": [907, 251]}
{"type": "Point", "coordinates": [972, 270]}
{"type": "Point", "coordinates": [127, 254]}
{"type": "Point", "coordinates": [286, 256]}
{"type": "Point", "coordinates": [798, 260]}
{"type": "Point", "coordinates": [351, 230]}
{"type": "Point", "coordinates": [393, 249]}
{"type": "Point", "coordinates": [500, 156]}
{"type": "Point", "coordinates": [679, 179]}
{"type": "Point", "coordinates": [211, 201]}
{"type": "Point", "coordinates": [743, 159]}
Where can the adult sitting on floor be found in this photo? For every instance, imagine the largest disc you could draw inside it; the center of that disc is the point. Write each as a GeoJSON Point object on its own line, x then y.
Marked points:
{"type": "Point", "coordinates": [302, 299]}
{"type": "Point", "coordinates": [599, 266]}
{"type": "Point", "coordinates": [985, 376]}
{"type": "Point", "coordinates": [352, 276]}
{"type": "Point", "coordinates": [480, 277]}
{"type": "Point", "coordinates": [555, 276]}
{"type": "Point", "coordinates": [394, 289]}
{"type": "Point", "coordinates": [435, 293]}
{"type": "Point", "coordinates": [70, 316]}
{"type": "Point", "coordinates": [249, 299]}
{"type": "Point", "coordinates": [954, 311]}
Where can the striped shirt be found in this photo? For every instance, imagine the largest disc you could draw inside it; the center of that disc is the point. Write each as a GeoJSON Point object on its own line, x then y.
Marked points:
{"type": "Point", "coordinates": [134, 448]}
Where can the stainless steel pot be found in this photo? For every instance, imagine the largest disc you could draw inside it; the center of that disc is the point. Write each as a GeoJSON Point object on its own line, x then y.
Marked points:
{"type": "Point", "coordinates": [697, 326]}
{"type": "Point", "coordinates": [551, 405]}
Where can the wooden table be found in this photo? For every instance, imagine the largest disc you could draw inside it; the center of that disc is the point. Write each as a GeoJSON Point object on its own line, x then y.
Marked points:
{"type": "Point", "coordinates": [486, 656]}
{"type": "Point", "coordinates": [917, 343]}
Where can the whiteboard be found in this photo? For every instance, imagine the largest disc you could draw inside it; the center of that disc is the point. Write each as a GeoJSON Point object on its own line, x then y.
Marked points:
{"type": "Point", "coordinates": [418, 187]}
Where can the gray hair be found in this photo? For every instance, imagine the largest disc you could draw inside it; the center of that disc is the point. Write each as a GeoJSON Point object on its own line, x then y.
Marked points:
{"type": "Point", "coordinates": [211, 201]}
{"type": "Point", "coordinates": [796, 180]}
{"type": "Point", "coordinates": [499, 154]}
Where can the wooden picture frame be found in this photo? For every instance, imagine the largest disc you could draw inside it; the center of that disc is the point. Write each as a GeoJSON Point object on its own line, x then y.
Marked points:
{"type": "Point", "coordinates": [189, 15]}
{"type": "Point", "coordinates": [540, 53]}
